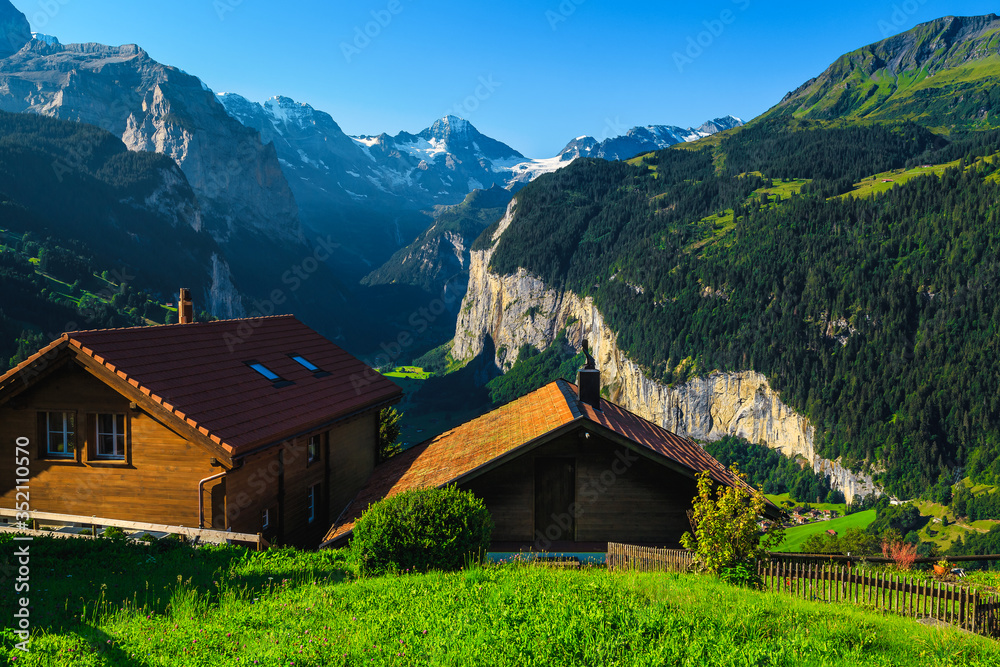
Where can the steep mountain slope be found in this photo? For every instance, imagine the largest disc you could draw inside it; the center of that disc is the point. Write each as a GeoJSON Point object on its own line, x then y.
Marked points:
{"type": "Point", "coordinates": [92, 232]}
{"type": "Point", "coordinates": [942, 74]}
{"type": "Point", "coordinates": [155, 107]}
{"type": "Point", "coordinates": [440, 255]}
{"type": "Point", "coordinates": [858, 333]}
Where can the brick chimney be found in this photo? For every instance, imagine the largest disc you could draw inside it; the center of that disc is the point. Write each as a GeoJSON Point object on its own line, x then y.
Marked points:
{"type": "Point", "coordinates": [185, 307]}
{"type": "Point", "coordinates": [589, 381]}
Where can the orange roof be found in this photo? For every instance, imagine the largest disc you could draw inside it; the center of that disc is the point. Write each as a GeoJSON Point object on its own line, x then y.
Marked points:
{"type": "Point", "coordinates": [199, 373]}
{"type": "Point", "coordinates": [460, 452]}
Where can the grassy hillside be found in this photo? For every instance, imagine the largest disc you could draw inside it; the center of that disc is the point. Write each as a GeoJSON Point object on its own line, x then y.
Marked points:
{"type": "Point", "coordinates": [795, 537]}
{"type": "Point", "coordinates": [225, 606]}
{"type": "Point", "coordinates": [871, 315]}
{"type": "Point", "coordinates": [942, 74]}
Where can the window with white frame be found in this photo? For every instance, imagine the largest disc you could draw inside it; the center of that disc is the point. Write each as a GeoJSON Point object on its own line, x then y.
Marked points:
{"type": "Point", "coordinates": [111, 436]}
{"type": "Point", "coordinates": [59, 430]}
{"type": "Point", "coordinates": [265, 518]}
{"type": "Point", "coordinates": [313, 501]}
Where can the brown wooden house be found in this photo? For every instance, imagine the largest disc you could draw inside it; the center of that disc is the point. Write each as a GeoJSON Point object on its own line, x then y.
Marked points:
{"type": "Point", "coordinates": [254, 426]}
{"type": "Point", "coordinates": [557, 473]}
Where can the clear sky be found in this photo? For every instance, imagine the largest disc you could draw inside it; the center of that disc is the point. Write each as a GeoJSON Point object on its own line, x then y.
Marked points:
{"type": "Point", "coordinates": [533, 74]}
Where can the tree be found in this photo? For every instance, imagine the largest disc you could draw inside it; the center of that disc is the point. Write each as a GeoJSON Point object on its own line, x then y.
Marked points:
{"type": "Point", "coordinates": [727, 537]}
{"type": "Point", "coordinates": [388, 434]}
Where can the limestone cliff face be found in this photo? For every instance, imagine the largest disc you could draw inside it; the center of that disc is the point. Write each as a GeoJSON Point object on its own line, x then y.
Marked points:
{"type": "Point", "coordinates": [517, 309]}
{"type": "Point", "coordinates": [154, 107]}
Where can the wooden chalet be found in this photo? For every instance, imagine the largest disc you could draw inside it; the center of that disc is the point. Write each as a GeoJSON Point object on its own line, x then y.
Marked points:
{"type": "Point", "coordinates": [253, 426]}
{"type": "Point", "coordinates": [559, 470]}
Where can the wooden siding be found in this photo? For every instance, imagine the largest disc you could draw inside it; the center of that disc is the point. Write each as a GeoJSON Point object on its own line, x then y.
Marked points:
{"type": "Point", "coordinates": [620, 496]}
{"type": "Point", "coordinates": [157, 483]}
{"type": "Point", "coordinates": [158, 480]}
{"type": "Point", "coordinates": [252, 488]}
{"type": "Point", "coordinates": [346, 459]}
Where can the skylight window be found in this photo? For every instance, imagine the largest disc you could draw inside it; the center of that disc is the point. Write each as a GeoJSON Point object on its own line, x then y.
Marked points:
{"type": "Point", "coordinates": [306, 363]}
{"type": "Point", "coordinates": [265, 371]}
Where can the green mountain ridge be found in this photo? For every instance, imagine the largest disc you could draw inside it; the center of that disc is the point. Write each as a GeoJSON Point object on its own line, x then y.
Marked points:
{"type": "Point", "coordinates": [871, 315]}
{"type": "Point", "coordinates": [942, 74]}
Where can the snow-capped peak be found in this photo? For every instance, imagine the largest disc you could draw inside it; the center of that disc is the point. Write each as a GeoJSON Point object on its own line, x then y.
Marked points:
{"type": "Point", "coordinates": [47, 39]}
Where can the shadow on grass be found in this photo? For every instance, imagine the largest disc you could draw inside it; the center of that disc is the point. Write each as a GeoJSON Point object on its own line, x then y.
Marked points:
{"type": "Point", "coordinates": [75, 645]}
{"type": "Point", "coordinates": [73, 581]}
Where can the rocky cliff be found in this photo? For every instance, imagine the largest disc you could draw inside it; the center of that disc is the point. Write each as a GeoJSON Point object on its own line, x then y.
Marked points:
{"type": "Point", "coordinates": [154, 107]}
{"type": "Point", "coordinates": [520, 309]}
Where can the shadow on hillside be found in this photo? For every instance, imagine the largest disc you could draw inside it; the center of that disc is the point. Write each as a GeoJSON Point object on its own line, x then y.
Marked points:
{"type": "Point", "coordinates": [72, 580]}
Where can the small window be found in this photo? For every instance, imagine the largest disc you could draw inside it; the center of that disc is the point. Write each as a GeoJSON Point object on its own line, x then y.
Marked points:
{"type": "Point", "coordinates": [265, 371]}
{"type": "Point", "coordinates": [306, 363]}
{"type": "Point", "coordinates": [265, 519]}
{"type": "Point", "coordinates": [59, 430]}
{"type": "Point", "coordinates": [111, 436]}
{"type": "Point", "coordinates": [312, 450]}
{"type": "Point", "coordinates": [313, 498]}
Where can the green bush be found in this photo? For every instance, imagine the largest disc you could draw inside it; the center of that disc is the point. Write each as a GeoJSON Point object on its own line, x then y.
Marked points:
{"type": "Point", "coordinates": [420, 530]}
{"type": "Point", "coordinates": [114, 532]}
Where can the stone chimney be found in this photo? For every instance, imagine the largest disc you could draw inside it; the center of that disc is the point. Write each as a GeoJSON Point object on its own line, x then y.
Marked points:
{"type": "Point", "coordinates": [589, 381]}
{"type": "Point", "coordinates": [185, 307]}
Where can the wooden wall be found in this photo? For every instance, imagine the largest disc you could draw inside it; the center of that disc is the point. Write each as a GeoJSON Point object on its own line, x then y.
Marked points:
{"type": "Point", "coordinates": [280, 479]}
{"type": "Point", "coordinates": [620, 496]}
{"type": "Point", "coordinates": [158, 483]}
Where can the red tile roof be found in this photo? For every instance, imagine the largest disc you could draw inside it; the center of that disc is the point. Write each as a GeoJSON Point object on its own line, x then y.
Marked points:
{"type": "Point", "coordinates": [457, 453]}
{"type": "Point", "coordinates": [199, 373]}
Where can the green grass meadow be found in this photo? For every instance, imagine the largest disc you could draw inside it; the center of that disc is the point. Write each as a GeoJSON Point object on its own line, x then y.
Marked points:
{"type": "Point", "coordinates": [109, 603]}
{"type": "Point", "coordinates": [795, 537]}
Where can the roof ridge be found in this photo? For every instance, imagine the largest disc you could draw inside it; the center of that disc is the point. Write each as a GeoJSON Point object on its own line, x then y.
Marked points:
{"type": "Point", "coordinates": [572, 400]}
{"type": "Point", "coordinates": [177, 324]}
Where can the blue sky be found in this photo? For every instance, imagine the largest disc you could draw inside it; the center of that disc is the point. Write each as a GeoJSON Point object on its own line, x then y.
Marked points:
{"type": "Point", "coordinates": [532, 74]}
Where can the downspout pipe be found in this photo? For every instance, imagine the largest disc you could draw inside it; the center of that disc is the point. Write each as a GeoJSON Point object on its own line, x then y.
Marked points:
{"type": "Point", "coordinates": [201, 496]}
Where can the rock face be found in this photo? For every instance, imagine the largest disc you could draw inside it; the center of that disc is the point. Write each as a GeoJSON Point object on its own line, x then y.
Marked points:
{"type": "Point", "coordinates": [517, 309]}
{"type": "Point", "coordinates": [14, 29]}
{"type": "Point", "coordinates": [154, 107]}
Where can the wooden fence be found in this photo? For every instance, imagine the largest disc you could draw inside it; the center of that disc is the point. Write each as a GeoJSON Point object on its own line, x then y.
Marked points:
{"type": "Point", "coordinates": [841, 584]}
{"type": "Point", "coordinates": [93, 523]}
{"type": "Point", "coordinates": [891, 592]}
{"type": "Point", "coordinates": [647, 559]}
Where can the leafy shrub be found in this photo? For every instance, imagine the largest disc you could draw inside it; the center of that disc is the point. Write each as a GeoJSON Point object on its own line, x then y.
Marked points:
{"type": "Point", "coordinates": [113, 532]}
{"type": "Point", "coordinates": [742, 575]}
{"type": "Point", "coordinates": [726, 535]}
{"type": "Point", "coordinates": [420, 530]}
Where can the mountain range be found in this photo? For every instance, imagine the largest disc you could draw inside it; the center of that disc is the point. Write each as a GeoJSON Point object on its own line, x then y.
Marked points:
{"type": "Point", "coordinates": [818, 280]}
